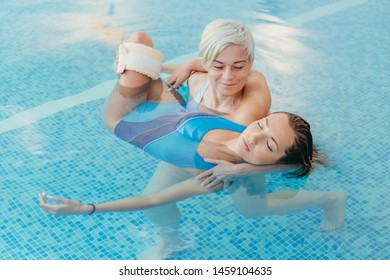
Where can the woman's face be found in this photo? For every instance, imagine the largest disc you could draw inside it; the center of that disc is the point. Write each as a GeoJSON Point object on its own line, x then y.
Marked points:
{"type": "Point", "coordinates": [266, 141]}
{"type": "Point", "coordinates": [229, 71]}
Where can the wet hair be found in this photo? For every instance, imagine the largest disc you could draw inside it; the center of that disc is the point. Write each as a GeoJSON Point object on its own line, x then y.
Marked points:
{"type": "Point", "coordinates": [302, 151]}
{"type": "Point", "coordinates": [222, 33]}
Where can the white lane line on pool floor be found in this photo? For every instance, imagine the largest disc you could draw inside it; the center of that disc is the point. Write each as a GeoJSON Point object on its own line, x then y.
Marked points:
{"type": "Point", "coordinates": [324, 11]}
{"type": "Point", "coordinates": [45, 110]}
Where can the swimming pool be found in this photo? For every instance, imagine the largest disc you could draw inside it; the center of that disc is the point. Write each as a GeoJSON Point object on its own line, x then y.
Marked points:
{"type": "Point", "coordinates": [327, 60]}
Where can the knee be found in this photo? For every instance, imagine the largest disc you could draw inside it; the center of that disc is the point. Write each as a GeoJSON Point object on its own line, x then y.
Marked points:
{"type": "Point", "coordinates": [141, 37]}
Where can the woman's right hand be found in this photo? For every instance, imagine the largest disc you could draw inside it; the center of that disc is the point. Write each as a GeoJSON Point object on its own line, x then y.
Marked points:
{"type": "Point", "coordinates": [63, 206]}
{"type": "Point", "coordinates": [224, 172]}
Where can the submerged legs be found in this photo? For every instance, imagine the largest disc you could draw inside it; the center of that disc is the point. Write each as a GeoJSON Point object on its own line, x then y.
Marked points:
{"type": "Point", "coordinates": [166, 217]}
{"type": "Point", "coordinates": [287, 201]}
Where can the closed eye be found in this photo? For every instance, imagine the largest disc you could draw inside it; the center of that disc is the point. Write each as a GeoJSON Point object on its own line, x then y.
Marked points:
{"type": "Point", "coordinates": [218, 65]}
{"type": "Point", "coordinates": [261, 125]}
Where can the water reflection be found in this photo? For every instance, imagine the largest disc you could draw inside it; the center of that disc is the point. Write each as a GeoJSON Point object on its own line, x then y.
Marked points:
{"type": "Point", "coordinates": [281, 54]}
{"type": "Point", "coordinates": [277, 45]}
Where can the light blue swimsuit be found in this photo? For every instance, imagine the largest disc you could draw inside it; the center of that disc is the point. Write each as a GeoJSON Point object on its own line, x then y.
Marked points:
{"type": "Point", "coordinates": [193, 104]}
{"type": "Point", "coordinates": [168, 132]}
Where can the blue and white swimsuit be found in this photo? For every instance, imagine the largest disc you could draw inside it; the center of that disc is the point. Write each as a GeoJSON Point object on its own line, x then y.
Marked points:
{"type": "Point", "coordinates": [168, 132]}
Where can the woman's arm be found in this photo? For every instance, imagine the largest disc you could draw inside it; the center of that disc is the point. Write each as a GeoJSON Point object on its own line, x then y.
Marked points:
{"type": "Point", "coordinates": [180, 191]}
{"type": "Point", "coordinates": [181, 72]}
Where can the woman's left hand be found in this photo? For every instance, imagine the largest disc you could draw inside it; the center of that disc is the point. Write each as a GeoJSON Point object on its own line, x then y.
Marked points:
{"type": "Point", "coordinates": [64, 206]}
{"type": "Point", "coordinates": [179, 76]}
{"type": "Point", "coordinates": [223, 172]}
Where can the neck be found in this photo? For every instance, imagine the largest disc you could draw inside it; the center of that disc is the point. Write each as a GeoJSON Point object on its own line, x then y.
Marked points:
{"type": "Point", "coordinates": [221, 151]}
{"type": "Point", "coordinates": [231, 148]}
{"type": "Point", "coordinates": [221, 102]}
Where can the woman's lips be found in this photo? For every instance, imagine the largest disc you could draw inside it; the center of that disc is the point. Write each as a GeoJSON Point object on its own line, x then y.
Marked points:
{"type": "Point", "coordinates": [227, 85]}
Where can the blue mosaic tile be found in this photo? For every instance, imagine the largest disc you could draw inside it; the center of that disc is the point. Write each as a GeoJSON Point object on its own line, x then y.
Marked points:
{"type": "Point", "coordinates": [72, 155]}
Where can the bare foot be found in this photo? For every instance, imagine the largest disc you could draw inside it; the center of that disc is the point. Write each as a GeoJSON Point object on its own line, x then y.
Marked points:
{"type": "Point", "coordinates": [162, 250]}
{"type": "Point", "coordinates": [334, 211]}
{"type": "Point", "coordinates": [112, 36]}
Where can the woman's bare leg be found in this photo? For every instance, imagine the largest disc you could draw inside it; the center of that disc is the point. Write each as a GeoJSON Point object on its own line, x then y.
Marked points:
{"type": "Point", "coordinates": [287, 201]}
{"type": "Point", "coordinates": [130, 91]}
{"type": "Point", "coordinates": [165, 218]}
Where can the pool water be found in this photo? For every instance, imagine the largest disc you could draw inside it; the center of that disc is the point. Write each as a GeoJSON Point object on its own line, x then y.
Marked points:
{"type": "Point", "coordinates": [326, 60]}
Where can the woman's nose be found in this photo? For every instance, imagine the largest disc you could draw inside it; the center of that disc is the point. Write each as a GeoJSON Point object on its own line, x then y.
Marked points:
{"type": "Point", "coordinates": [256, 138]}
{"type": "Point", "coordinates": [228, 73]}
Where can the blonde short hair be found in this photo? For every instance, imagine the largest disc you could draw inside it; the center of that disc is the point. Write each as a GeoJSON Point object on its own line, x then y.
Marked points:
{"type": "Point", "coordinates": [222, 33]}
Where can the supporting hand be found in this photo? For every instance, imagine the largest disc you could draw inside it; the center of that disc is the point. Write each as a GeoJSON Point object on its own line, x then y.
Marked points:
{"type": "Point", "coordinates": [223, 172]}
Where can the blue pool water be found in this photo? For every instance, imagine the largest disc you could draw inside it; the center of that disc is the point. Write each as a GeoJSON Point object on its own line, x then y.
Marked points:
{"type": "Point", "coordinates": [327, 60]}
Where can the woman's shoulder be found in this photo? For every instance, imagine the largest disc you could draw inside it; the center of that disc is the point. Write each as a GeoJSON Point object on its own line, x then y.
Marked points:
{"type": "Point", "coordinates": [256, 85]}
{"type": "Point", "coordinates": [257, 76]}
{"type": "Point", "coordinates": [256, 100]}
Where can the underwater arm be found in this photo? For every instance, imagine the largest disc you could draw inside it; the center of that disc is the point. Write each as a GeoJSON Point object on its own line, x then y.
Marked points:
{"type": "Point", "coordinates": [177, 192]}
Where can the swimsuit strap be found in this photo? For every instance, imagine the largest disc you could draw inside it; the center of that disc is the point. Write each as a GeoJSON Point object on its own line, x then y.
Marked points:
{"type": "Point", "coordinates": [199, 95]}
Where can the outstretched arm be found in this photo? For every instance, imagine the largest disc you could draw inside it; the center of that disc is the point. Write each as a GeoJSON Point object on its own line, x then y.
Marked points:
{"type": "Point", "coordinates": [180, 191]}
